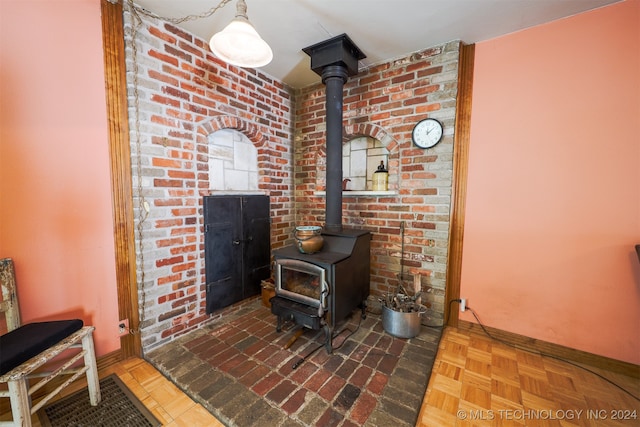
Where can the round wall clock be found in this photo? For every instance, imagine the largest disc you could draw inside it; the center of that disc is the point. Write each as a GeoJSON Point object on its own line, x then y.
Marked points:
{"type": "Point", "coordinates": [427, 133]}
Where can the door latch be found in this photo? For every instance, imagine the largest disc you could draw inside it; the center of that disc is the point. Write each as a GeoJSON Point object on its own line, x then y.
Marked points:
{"type": "Point", "coordinates": [238, 241]}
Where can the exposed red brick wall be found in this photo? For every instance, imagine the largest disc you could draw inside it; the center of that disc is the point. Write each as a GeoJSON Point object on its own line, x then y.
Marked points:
{"type": "Point", "coordinates": [184, 94]}
{"type": "Point", "coordinates": [385, 102]}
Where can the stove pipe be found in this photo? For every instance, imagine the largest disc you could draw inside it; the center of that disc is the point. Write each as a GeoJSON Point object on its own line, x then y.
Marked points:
{"type": "Point", "coordinates": [334, 60]}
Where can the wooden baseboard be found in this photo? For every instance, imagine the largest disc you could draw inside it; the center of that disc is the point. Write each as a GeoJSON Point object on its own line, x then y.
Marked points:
{"type": "Point", "coordinates": [555, 350]}
{"type": "Point", "coordinates": [109, 359]}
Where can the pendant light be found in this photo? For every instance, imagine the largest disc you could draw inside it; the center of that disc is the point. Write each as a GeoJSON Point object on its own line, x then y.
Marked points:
{"type": "Point", "coordinates": [239, 43]}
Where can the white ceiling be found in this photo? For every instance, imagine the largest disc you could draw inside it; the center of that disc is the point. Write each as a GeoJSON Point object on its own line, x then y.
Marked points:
{"type": "Point", "coordinates": [382, 29]}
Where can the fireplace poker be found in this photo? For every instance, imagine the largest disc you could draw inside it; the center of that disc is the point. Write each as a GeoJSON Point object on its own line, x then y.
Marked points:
{"type": "Point", "coordinates": [299, 331]}
{"type": "Point", "coordinates": [302, 359]}
{"type": "Point", "coordinates": [401, 278]}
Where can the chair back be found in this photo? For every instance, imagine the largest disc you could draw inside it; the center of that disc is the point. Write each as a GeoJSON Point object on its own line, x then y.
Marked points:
{"type": "Point", "coordinates": [9, 303]}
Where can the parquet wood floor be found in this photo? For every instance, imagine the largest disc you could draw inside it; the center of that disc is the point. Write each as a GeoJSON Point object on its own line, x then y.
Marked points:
{"type": "Point", "coordinates": [167, 402]}
{"type": "Point", "coordinates": [477, 381]}
{"type": "Point", "coordinates": [164, 399]}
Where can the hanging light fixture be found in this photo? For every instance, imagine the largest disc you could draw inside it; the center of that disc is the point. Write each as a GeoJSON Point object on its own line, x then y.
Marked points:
{"type": "Point", "coordinates": [239, 43]}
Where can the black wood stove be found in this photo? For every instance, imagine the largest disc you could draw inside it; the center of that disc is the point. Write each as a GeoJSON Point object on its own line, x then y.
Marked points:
{"type": "Point", "coordinates": [321, 289]}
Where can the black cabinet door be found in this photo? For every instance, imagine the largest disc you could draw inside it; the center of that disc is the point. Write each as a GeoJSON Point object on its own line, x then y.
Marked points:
{"type": "Point", "coordinates": [237, 248]}
{"type": "Point", "coordinates": [256, 254]}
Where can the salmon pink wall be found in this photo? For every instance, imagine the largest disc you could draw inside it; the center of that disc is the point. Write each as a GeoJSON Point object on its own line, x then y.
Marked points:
{"type": "Point", "coordinates": [553, 203]}
{"type": "Point", "coordinates": [55, 195]}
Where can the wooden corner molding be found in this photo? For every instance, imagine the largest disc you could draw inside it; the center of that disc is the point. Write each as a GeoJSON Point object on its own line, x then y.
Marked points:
{"type": "Point", "coordinates": [460, 173]}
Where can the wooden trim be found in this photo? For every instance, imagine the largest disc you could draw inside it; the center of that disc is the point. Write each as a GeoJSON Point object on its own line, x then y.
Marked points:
{"type": "Point", "coordinates": [120, 160]}
{"type": "Point", "coordinates": [460, 173]}
{"type": "Point", "coordinates": [110, 359]}
{"type": "Point", "coordinates": [555, 350]}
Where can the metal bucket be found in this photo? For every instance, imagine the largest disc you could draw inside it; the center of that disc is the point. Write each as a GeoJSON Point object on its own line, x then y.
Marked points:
{"type": "Point", "coordinates": [399, 324]}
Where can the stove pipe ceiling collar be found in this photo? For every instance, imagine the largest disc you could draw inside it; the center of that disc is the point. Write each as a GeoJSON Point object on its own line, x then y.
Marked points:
{"type": "Point", "coordinates": [334, 60]}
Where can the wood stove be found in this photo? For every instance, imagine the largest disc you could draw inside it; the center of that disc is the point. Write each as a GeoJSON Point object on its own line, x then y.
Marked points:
{"type": "Point", "coordinates": [319, 290]}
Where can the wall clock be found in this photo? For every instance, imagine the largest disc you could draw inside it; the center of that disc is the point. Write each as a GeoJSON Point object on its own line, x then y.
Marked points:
{"type": "Point", "coordinates": [427, 133]}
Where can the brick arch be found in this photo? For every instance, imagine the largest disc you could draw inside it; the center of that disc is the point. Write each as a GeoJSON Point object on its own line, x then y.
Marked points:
{"type": "Point", "coordinates": [217, 123]}
{"type": "Point", "coordinates": [350, 132]}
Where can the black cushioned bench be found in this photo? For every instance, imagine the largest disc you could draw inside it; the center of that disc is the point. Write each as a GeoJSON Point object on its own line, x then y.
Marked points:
{"type": "Point", "coordinates": [25, 342]}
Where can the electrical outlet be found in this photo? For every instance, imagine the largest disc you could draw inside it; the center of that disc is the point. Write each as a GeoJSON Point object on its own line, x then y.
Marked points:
{"type": "Point", "coordinates": [123, 328]}
{"type": "Point", "coordinates": [463, 304]}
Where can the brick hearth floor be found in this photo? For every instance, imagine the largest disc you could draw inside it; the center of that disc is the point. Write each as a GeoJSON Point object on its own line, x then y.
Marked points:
{"type": "Point", "coordinates": [242, 373]}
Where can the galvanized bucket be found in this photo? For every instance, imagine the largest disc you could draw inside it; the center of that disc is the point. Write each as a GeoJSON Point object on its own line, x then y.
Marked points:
{"type": "Point", "coordinates": [400, 324]}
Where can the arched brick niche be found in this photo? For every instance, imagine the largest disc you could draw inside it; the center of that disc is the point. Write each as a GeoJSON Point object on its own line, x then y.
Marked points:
{"type": "Point", "coordinates": [381, 147]}
{"type": "Point", "coordinates": [232, 150]}
{"type": "Point", "coordinates": [382, 138]}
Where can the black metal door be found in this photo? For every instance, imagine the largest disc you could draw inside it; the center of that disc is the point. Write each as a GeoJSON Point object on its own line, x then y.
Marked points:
{"type": "Point", "coordinates": [237, 248]}
{"type": "Point", "coordinates": [256, 253]}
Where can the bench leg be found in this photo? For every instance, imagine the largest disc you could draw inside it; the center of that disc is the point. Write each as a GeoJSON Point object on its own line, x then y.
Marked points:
{"type": "Point", "coordinates": [20, 402]}
{"type": "Point", "coordinates": [93, 383]}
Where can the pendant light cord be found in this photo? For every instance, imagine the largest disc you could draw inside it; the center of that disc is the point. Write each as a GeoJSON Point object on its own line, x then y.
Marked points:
{"type": "Point", "coordinates": [143, 209]}
{"type": "Point", "coordinates": [206, 14]}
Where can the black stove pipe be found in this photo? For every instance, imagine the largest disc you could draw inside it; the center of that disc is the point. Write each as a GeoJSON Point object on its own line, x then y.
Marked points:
{"type": "Point", "coordinates": [334, 60]}
{"type": "Point", "coordinates": [334, 77]}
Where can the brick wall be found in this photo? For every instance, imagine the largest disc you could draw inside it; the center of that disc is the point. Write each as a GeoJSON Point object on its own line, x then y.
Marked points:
{"type": "Point", "coordinates": [183, 94]}
{"type": "Point", "coordinates": [385, 102]}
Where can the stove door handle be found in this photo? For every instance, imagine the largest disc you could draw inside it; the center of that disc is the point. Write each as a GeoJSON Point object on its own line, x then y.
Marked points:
{"type": "Point", "coordinates": [324, 291]}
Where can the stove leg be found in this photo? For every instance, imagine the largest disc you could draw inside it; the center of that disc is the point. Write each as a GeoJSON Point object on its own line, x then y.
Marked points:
{"type": "Point", "coordinates": [327, 334]}
{"type": "Point", "coordinates": [364, 309]}
{"type": "Point", "coordinates": [279, 325]}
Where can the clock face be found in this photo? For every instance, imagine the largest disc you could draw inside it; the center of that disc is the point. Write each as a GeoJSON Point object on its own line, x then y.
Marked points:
{"type": "Point", "coordinates": [427, 133]}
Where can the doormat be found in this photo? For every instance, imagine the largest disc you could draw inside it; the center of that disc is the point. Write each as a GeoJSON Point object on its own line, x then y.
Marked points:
{"type": "Point", "coordinates": [119, 407]}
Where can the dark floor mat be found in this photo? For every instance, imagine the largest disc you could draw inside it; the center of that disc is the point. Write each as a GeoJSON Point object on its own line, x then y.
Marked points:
{"type": "Point", "coordinates": [119, 408]}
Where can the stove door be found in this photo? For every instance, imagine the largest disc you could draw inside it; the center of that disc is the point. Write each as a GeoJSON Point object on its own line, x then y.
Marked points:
{"type": "Point", "coordinates": [302, 281]}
